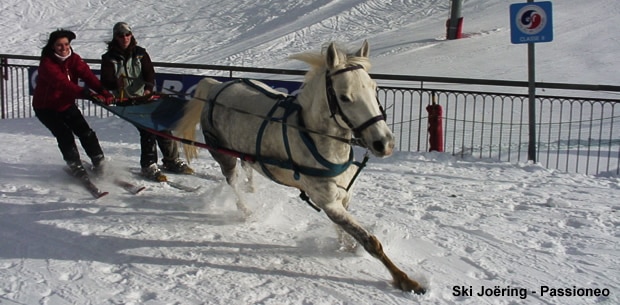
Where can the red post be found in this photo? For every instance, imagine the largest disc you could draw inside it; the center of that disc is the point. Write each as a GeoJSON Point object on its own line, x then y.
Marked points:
{"type": "Point", "coordinates": [459, 29]}
{"type": "Point", "coordinates": [454, 25]}
{"type": "Point", "coordinates": [435, 125]}
{"type": "Point", "coordinates": [454, 31]}
{"type": "Point", "coordinates": [4, 62]}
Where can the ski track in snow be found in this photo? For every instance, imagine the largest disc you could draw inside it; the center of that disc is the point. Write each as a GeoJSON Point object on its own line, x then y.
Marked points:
{"type": "Point", "coordinates": [502, 226]}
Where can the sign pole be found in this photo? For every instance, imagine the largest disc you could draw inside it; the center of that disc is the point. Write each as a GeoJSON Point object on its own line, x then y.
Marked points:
{"type": "Point", "coordinates": [531, 80]}
{"type": "Point", "coordinates": [531, 23]}
{"type": "Point", "coordinates": [531, 76]}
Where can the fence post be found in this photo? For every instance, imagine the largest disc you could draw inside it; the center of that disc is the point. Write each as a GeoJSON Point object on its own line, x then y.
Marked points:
{"type": "Point", "coordinates": [3, 65]}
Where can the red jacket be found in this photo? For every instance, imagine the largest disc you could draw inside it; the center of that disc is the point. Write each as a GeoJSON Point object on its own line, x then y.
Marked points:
{"type": "Point", "coordinates": [57, 82]}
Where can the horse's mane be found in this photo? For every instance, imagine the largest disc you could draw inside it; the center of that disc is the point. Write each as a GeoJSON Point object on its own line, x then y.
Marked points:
{"type": "Point", "coordinates": [317, 61]}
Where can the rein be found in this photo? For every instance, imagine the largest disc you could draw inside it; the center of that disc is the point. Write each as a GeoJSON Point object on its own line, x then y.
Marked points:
{"type": "Point", "coordinates": [334, 106]}
{"type": "Point", "coordinates": [287, 102]}
{"type": "Point", "coordinates": [353, 141]}
{"type": "Point", "coordinates": [290, 107]}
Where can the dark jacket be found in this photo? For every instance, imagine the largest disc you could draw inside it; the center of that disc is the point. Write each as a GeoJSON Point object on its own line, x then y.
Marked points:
{"type": "Point", "coordinates": [134, 63]}
{"type": "Point", "coordinates": [57, 82]}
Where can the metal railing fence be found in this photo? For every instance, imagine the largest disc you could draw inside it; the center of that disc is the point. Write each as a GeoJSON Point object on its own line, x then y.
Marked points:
{"type": "Point", "coordinates": [574, 134]}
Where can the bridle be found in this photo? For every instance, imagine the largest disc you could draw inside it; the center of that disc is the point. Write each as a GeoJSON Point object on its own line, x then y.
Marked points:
{"type": "Point", "coordinates": [334, 106]}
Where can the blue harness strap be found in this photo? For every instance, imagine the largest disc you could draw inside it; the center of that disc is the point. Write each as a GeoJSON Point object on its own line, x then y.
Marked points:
{"type": "Point", "coordinates": [287, 102]}
{"type": "Point", "coordinates": [333, 169]}
{"type": "Point", "coordinates": [210, 103]}
{"type": "Point", "coordinates": [289, 109]}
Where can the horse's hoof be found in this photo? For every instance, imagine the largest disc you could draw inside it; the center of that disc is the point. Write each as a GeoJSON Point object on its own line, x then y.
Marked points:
{"type": "Point", "coordinates": [409, 285]}
{"type": "Point", "coordinates": [419, 291]}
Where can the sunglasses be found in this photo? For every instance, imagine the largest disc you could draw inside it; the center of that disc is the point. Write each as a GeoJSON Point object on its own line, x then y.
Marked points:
{"type": "Point", "coordinates": [123, 35]}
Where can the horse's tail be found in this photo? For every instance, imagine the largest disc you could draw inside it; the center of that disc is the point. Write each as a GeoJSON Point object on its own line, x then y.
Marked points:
{"type": "Point", "coordinates": [186, 126]}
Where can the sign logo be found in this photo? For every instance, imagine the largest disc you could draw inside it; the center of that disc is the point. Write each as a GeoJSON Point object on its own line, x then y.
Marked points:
{"type": "Point", "coordinates": [531, 19]}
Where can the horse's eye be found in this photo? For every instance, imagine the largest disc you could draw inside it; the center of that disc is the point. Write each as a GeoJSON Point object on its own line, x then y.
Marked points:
{"type": "Point", "coordinates": [345, 99]}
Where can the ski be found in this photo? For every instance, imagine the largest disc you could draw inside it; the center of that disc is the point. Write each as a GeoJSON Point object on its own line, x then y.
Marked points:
{"type": "Point", "coordinates": [206, 176]}
{"type": "Point", "coordinates": [195, 174]}
{"type": "Point", "coordinates": [89, 185]}
{"type": "Point", "coordinates": [128, 186]}
{"type": "Point", "coordinates": [182, 187]}
{"type": "Point", "coordinates": [173, 184]}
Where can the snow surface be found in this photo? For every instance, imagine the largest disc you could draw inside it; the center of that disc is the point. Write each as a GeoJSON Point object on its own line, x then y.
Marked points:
{"type": "Point", "coordinates": [446, 221]}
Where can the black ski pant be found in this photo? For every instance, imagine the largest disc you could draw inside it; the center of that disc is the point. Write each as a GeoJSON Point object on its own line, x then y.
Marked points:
{"type": "Point", "coordinates": [64, 125]}
{"type": "Point", "coordinates": [148, 146]}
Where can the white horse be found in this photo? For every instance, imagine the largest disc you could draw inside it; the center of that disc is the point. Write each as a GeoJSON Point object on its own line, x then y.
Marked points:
{"type": "Point", "coordinates": [304, 141]}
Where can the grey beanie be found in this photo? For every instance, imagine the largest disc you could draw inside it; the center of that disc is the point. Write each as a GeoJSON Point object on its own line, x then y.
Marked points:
{"type": "Point", "coordinates": [121, 28]}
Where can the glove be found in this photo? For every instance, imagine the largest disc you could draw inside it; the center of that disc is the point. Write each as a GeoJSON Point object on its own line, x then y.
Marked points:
{"type": "Point", "coordinates": [105, 97]}
{"type": "Point", "coordinates": [108, 98]}
{"type": "Point", "coordinates": [149, 95]}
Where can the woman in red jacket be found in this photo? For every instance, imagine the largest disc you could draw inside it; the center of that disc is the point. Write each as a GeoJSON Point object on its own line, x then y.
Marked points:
{"type": "Point", "coordinates": [54, 100]}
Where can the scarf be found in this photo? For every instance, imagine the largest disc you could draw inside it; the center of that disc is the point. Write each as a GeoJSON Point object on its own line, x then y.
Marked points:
{"type": "Point", "coordinates": [63, 58]}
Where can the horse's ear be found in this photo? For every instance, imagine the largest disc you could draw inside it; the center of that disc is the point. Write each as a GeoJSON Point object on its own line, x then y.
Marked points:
{"type": "Point", "coordinates": [364, 50]}
{"type": "Point", "coordinates": [332, 56]}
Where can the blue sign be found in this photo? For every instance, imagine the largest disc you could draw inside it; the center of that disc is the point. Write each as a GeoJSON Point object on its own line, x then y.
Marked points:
{"type": "Point", "coordinates": [531, 22]}
{"type": "Point", "coordinates": [183, 84]}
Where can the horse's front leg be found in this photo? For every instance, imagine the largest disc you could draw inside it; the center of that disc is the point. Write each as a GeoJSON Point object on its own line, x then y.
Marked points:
{"type": "Point", "coordinates": [338, 214]}
{"type": "Point", "coordinates": [347, 242]}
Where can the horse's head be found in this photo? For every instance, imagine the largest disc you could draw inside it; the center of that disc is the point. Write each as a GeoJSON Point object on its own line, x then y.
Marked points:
{"type": "Point", "coordinates": [352, 99]}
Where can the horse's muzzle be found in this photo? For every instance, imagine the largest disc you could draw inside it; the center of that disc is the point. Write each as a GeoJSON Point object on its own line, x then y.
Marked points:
{"type": "Point", "coordinates": [382, 148]}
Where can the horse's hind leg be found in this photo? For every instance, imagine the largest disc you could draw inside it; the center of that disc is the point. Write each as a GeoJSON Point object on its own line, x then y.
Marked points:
{"type": "Point", "coordinates": [340, 216]}
{"type": "Point", "coordinates": [228, 166]}
{"type": "Point", "coordinates": [249, 183]}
